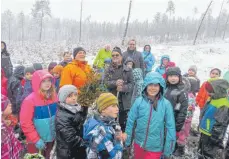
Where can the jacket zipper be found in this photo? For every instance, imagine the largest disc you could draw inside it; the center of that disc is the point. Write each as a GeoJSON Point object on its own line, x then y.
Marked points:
{"type": "Point", "coordinates": [147, 129]}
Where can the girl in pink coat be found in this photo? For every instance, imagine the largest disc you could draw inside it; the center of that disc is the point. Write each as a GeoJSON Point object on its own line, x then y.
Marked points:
{"type": "Point", "coordinates": [38, 113]}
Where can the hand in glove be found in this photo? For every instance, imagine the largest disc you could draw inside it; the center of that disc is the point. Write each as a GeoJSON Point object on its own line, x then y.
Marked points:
{"type": "Point", "coordinates": [40, 145]}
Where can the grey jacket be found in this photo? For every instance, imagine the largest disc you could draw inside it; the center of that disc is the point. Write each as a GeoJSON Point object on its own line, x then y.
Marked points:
{"type": "Point", "coordinates": [112, 74]}
{"type": "Point", "coordinates": [136, 56]}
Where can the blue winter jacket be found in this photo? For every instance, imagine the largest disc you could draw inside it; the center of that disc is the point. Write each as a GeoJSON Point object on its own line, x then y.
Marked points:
{"type": "Point", "coordinates": [161, 69]}
{"type": "Point", "coordinates": [149, 60]}
{"type": "Point", "coordinates": [151, 123]}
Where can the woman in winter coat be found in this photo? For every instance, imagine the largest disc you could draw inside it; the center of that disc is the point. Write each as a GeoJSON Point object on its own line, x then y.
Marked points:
{"type": "Point", "coordinates": [70, 118]}
{"type": "Point", "coordinates": [119, 81]}
{"type": "Point", "coordinates": [10, 147]}
{"type": "Point", "coordinates": [149, 116]}
{"type": "Point", "coordinates": [75, 73]}
{"type": "Point", "coordinates": [38, 111]}
{"type": "Point", "coordinates": [6, 63]}
{"type": "Point", "coordinates": [148, 58]}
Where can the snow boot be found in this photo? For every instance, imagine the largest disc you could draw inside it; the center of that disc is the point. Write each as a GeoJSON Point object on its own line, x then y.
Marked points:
{"type": "Point", "coordinates": [180, 151]}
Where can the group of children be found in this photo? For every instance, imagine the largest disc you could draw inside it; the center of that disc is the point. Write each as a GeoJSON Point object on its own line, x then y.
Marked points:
{"type": "Point", "coordinates": [157, 126]}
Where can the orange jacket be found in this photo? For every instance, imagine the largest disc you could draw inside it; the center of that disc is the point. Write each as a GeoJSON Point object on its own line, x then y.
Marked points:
{"type": "Point", "coordinates": [75, 73]}
{"type": "Point", "coordinates": [202, 96]}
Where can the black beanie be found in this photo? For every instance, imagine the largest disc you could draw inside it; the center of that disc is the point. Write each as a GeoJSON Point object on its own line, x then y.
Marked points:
{"type": "Point", "coordinates": [117, 49]}
{"type": "Point", "coordinates": [29, 70]}
{"type": "Point", "coordinates": [173, 71]}
{"type": "Point", "coordinates": [76, 50]}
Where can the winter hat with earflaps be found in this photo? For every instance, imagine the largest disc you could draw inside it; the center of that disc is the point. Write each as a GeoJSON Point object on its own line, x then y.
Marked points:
{"type": "Point", "coordinates": [105, 100]}
{"type": "Point", "coordinates": [65, 91]}
{"type": "Point", "coordinates": [77, 50]}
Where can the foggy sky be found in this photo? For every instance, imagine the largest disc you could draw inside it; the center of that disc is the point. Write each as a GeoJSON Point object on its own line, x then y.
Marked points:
{"type": "Point", "coordinates": [113, 10]}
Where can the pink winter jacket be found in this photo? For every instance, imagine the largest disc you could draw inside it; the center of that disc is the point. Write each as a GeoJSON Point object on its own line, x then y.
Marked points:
{"type": "Point", "coordinates": [37, 116]}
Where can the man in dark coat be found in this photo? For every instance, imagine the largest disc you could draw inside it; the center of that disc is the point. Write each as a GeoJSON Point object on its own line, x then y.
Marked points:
{"type": "Point", "coordinates": [5, 61]}
{"type": "Point", "coordinates": [134, 54]}
{"type": "Point", "coordinates": [13, 87]}
{"type": "Point", "coordinates": [119, 81]}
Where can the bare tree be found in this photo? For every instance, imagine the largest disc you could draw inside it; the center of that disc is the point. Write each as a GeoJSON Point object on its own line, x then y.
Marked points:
{"type": "Point", "coordinates": [81, 10]}
{"type": "Point", "coordinates": [8, 15]}
{"type": "Point", "coordinates": [226, 25]}
{"type": "Point", "coordinates": [21, 18]}
{"type": "Point", "coordinates": [171, 10]}
{"type": "Point", "coordinates": [194, 42]}
{"type": "Point", "coordinates": [195, 12]}
{"type": "Point", "coordinates": [40, 10]}
{"type": "Point", "coordinates": [217, 24]}
{"type": "Point", "coordinates": [127, 23]}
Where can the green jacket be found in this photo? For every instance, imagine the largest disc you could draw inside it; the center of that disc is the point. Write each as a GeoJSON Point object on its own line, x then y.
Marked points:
{"type": "Point", "coordinates": [101, 56]}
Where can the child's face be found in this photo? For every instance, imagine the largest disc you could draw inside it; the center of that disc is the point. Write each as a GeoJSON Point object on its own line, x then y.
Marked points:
{"type": "Point", "coordinates": [46, 84]}
{"type": "Point", "coordinates": [173, 79]}
{"type": "Point", "coordinates": [56, 75]}
{"type": "Point", "coordinates": [72, 99]}
{"type": "Point", "coordinates": [111, 111]}
{"type": "Point", "coordinates": [165, 61]}
{"type": "Point", "coordinates": [8, 110]}
{"type": "Point", "coordinates": [129, 65]}
{"type": "Point", "coordinates": [153, 89]}
{"type": "Point", "coordinates": [147, 49]}
{"type": "Point", "coordinates": [191, 73]}
{"type": "Point", "coordinates": [28, 76]}
{"type": "Point", "coordinates": [214, 74]}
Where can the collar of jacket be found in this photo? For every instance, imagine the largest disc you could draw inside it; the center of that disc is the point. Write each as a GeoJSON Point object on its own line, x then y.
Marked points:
{"type": "Point", "coordinates": [71, 108]}
{"type": "Point", "coordinates": [79, 63]}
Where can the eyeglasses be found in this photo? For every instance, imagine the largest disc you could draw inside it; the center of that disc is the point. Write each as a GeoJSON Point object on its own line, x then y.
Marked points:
{"type": "Point", "coordinates": [115, 55]}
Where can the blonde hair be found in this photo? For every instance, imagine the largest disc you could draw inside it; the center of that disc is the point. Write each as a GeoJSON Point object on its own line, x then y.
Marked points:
{"type": "Point", "coordinates": [49, 94]}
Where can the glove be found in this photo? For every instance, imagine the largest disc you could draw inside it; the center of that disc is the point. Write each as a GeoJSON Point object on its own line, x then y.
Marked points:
{"type": "Point", "coordinates": [40, 145]}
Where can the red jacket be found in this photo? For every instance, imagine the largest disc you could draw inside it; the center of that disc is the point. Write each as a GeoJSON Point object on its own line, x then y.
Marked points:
{"type": "Point", "coordinates": [4, 83]}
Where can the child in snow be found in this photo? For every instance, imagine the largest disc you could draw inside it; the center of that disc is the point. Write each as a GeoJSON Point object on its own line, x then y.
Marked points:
{"type": "Point", "coordinates": [51, 66]}
{"type": "Point", "coordinates": [25, 90]}
{"type": "Point", "coordinates": [177, 93]}
{"type": "Point", "coordinates": [4, 82]}
{"type": "Point", "coordinates": [149, 116]}
{"type": "Point", "coordinates": [69, 125]}
{"type": "Point", "coordinates": [163, 65]}
{"type": "Point", "coordinates": [37, 115]}
{"type": "Point", "coordinates": [193, 79]}
{"type": "Point", "coordinates": [10, 146]}
{"type": "Point", "coordinates": [102, 130]}
{"type": "Point", "coordinates": [14, 83]}
{"type": "Point", "coordinates": [148, 58]}
{"type": "Point", "coordinates": [214, 119]}
{"type": "Point", "coordinates": [57, 75]}
{"type": "Point", "coordinates": [202, 97]}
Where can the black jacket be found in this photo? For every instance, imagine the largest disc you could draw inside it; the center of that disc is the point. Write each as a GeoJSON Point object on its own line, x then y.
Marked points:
{"type": "Point", "coordinates": [13, 86]}
{"type": "Point", "coordinates": [69, 133]}
{"type": "Point", "coordinates": [178, 97]}
{"type": "Point", "coordinates": [6, 63]}
{"type": "Point", "coordinates": [112, 74]}
{"type": "Point", "coordinates": [195, 84]}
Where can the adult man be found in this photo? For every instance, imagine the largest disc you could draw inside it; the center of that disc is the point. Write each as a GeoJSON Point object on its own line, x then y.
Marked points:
{"type": "Point", "coordinates": [104, 54]}
{"type": "Point", "coordinates": [134, 54]}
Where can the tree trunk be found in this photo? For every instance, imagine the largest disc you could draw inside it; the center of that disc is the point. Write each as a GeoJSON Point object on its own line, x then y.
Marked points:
{"type": "Point", "coordinates": [81, 9]}
{"type": "Point", "coordinates": [127, 24]}
{"type": "Point", "coordinates": [41, 26]}
{"type": "Point", "coordinates": [217, 25]}
{"type": "Point", "coordinates": [194, 42]}
{"type": "Point", "coordinates": [225, 29]}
